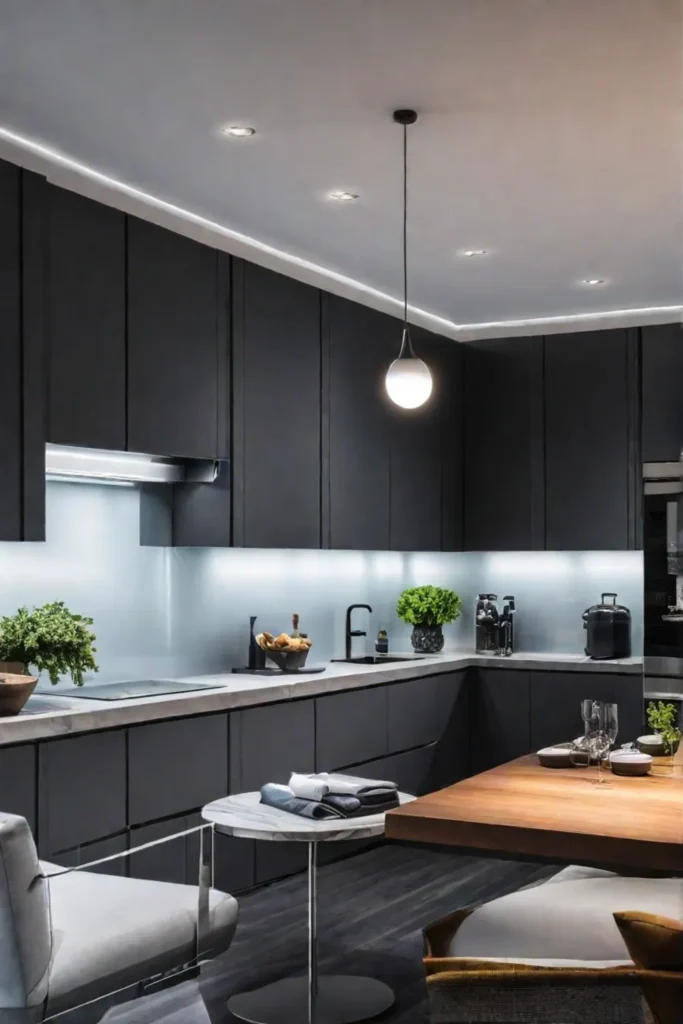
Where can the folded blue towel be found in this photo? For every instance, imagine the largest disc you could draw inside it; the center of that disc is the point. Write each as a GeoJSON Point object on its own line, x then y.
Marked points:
{"type": "Point", "coordinates": [284, 799]}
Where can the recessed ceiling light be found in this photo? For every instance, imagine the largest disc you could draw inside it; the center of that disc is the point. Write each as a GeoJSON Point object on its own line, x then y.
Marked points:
{"type": "Point", "coordinates": [342, 197]}
{"type": "Point", "coordinates": [238, 131]}
{"type": "Point", "coordinates": [473, 252]}
{"type": "Point", "coordinates": [593, 282]}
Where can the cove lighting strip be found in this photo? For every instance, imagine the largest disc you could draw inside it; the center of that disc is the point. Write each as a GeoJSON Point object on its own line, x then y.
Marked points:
{"type": "Point", "coordinates": [346, 285]}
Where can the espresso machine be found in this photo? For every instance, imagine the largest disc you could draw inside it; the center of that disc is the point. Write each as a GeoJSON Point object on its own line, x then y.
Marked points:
{"type": "Point", "coordinates": [494, 631]}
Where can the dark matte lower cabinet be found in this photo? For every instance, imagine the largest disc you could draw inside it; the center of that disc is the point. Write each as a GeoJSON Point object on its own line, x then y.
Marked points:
{"type": "Point", "coordinates": [81, 790]}
{"type": "Point", "coordinates": [500, 721]}
{"type": "Point", "coordinates": [277, 410]}
{"type": "Point", "coordinates": [592, 488]}
{"type": "Point", "coordinates": [178, 344]}
{"type": "Point", "coordinates": [18, 782]}
{"type": "Point", "coordinates": [503, 445]}
{"type": "Point", "coordinates": [274, 741]}
{"type": "Point", "coordinates": [452, 755]}
{"type": "Point", "coordinates": [555, 704]}
{"type": "Point", "coordinates": [350, 727]}
{"type": "Point", "coordinates": [86, 322]}
{"type": "Point", "coordinates": [662, 373]}
{"type": "Point", "coordinates": [166, 862]}
{"type": "Point", "coordinates": [413, 713]}
{"type": "Point", "coordinates": [177, 765]}
{"type": "Point", "coordinates": [110, 847]}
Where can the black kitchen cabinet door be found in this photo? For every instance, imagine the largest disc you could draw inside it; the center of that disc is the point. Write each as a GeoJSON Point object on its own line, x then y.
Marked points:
{"type": "Point", "coordinates": [87, 322]}
{"type": "Point", "coordinates": [556, 697]}
{"type": "Point", "coordinates": [358, 345]}
{"type": "Point", "coordinates": [167, 862]}
{"type": "Point", "coordinates": [503, 445]}
{"type": "Point", "coordinates": [18, 782]}
{"type": "Point", "coordinates": [591, 441]}
{"type": "Point", "coordinates": [277, 410]}
{"type": "Point", "coordinates": [500, 729]}
{"type": "Point", "coordinates": [176, 766]}
{"type": "Point", "coordinates": [23, 272]}
{"type": "Point", "coordinates": [350, 727]}
{"type": "Point", "coordinates": [177, 345]}
{"type": "Point", "coordinates": [556, 704]}
{"type": "Point", "coordinates": [114, 845]}
{"type": "Point", "coordinates": [413, 713]}
{"type": "Point", "coordinates": [662, 374]}
{"type": "Point", "coordinates": [452, 760]}
{"type": "Point", "coordinates": [81, 790]}
{"type": "Point", "coordinates": [425, 456]}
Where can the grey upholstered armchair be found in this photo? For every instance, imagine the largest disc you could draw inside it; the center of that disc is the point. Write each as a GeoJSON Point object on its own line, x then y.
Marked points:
{"type": "Point", "coordinates": [70, 937]}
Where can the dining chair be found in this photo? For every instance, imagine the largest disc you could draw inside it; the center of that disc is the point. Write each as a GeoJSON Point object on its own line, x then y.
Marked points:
{"type": "Point", "coordinates": [74, 938]}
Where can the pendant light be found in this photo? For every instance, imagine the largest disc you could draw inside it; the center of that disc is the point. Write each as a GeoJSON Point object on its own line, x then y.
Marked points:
{"type": "Point", "coordinates": [408, 380]}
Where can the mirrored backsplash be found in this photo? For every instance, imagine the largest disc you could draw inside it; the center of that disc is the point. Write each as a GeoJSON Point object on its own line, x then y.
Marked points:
{"type": "Point", "coordinates": [161, 611]}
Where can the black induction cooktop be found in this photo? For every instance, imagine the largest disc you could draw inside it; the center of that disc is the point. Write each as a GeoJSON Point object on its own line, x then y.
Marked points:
{"type": "Point", "coordinates": [127, 690]}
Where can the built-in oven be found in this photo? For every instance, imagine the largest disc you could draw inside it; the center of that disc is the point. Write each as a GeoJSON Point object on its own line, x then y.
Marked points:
{"type": "Point", "coordinates": [663, 575]}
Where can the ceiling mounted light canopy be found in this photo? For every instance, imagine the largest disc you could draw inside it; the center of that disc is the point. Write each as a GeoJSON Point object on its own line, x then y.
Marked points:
{"type": "Point", "coordinates": [408, 380]}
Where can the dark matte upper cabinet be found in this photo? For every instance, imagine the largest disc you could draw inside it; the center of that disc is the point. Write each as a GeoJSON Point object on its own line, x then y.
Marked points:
{"type": "Point", "coordinates": [503, 445]}
{"type": "Point", "coordinates": [425, 456]}
{"type": "Point", "coordinates": [277, 410]}
{"type": "Point", "coordinates": [591, 441]}
{"type": "Point", "coordinates": [178, 345]}
{"type": "Point", "coordinates": [358, 345]}
{"type": "Point", "coordinates": [86, 322]}
{"type": "Point", "coordinates": [662, 374]}
{"type": "Point", "coordinates": [23, 275]}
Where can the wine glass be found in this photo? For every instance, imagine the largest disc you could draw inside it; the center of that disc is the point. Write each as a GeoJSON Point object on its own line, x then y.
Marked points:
{"type": "Point", "coordinates": [599, 745]}
{"type": "Point", "coordinates": [611, 721]}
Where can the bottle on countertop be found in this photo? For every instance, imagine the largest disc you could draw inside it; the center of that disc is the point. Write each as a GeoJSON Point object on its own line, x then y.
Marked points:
{"type": "Point", "coordinates": [382, 642]}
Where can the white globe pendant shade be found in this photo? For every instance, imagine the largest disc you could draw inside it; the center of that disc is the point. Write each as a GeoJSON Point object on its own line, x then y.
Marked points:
{"type": "Point", "coordinates": [408, 382]}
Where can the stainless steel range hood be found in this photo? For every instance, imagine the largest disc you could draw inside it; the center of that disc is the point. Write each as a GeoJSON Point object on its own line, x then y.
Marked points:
{"type": "Point", "coordinates": [96, 465]}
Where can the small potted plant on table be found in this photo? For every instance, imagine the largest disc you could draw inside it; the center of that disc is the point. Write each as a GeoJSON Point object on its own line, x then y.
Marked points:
{"type": "Point", "coordinates": [51, 639]}
{"type": "Point", "coordinates": [427, 609]}
{"type": "Point", "coordinates": [666, 736]}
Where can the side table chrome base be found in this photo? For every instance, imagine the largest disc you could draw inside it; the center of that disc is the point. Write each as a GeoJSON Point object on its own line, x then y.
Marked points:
{"type": "Point", "coordinates": [340, 999]}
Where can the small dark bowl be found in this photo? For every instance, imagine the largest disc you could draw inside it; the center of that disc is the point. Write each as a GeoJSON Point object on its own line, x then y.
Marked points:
{"type": "Point", "coordinates": [288, 661]}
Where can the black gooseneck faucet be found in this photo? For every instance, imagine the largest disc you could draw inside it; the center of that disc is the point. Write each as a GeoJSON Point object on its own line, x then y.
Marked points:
{"type": "Point", "coordinates": [353, 632]}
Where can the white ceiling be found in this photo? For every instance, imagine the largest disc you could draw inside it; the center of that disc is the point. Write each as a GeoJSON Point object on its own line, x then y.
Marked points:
{"type": "Point", "coordinates": [549, 133]}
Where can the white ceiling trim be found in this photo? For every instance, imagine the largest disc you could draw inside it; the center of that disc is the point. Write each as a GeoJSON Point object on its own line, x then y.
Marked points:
{"type": "Point", "coordinates": [67, 172]}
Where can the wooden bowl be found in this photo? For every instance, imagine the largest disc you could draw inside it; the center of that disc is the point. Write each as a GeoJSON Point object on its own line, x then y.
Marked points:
{"type": "Point", "coordinates": [15, 690]}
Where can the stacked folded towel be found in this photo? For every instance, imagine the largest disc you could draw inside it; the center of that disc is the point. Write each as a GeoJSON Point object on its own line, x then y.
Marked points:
{"type": "Point", "coordinates": [324, 795]}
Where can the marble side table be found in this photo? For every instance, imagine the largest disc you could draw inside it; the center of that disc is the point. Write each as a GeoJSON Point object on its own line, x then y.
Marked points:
{"type": "Point", "coordinates": [324, 999]}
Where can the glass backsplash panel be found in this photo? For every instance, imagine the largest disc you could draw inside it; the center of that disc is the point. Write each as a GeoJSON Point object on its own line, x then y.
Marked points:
{"type": "Point", "coordinates": [161, 611]}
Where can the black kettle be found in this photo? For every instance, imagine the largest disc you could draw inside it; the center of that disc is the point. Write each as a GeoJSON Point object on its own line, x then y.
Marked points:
{"type": "Point", "coordinates": [609, 629]}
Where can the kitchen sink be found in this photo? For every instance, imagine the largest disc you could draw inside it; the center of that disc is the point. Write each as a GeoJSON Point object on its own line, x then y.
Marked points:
{"type": "Point", "coordinates": [380, 659]}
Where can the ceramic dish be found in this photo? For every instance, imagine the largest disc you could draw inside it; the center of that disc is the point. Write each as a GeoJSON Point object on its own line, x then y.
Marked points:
{"type": "Point", "coordinates": [556, 756]}
{"type": "Point", "coordinates": [630, 763]}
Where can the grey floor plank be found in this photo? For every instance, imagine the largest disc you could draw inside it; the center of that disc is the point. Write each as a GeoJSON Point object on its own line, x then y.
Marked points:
{"type": "Point", "coordinates": [371, 911]}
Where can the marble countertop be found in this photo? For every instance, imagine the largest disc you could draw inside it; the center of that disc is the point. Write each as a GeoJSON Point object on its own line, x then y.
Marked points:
{"type": "Point", "coordinates": [62, 713]}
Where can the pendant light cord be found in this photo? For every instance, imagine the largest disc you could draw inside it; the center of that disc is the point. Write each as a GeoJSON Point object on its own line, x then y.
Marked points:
{"type": "Point", "coordinates": [405, 227]}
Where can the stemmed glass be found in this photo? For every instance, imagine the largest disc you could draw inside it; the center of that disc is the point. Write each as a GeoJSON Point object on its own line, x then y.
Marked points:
{"type": "Point", "coordinates": [602, 739]}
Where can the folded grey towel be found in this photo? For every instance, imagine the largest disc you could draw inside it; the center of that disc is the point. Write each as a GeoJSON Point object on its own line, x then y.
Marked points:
{"type": "Point", "coordinates": [357, 807]}
{"type": "Point", "coordinates": [282, 797]}
{"type": "Point", "coordinates": [350, 785]}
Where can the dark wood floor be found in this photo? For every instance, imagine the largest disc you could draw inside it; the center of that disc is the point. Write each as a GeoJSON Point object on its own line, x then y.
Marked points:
{"type": "Point", "coordinates": [371, 909]}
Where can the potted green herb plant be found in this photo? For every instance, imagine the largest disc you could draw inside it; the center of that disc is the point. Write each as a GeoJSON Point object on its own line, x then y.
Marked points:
{"type": "Point", "coordinates": [666, 736]}
{"type": "Point", "coordinates": [51, 639]}
{"type": "Point", "coordinates": [427, 609]}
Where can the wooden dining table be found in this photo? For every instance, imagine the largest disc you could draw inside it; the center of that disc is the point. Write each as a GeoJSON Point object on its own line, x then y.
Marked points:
{"type": "Point", "coordinates": [558, 814]}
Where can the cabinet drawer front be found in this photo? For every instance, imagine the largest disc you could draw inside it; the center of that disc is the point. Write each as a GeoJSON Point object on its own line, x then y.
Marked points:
{"type": "Point", "coordinates": [82, 790]}
{"type": "Point", "coordinates": [176, 766]}
{"type": "Point", "coordinates": [350, 727]}
{"type": "Point", "coordinates": [273, 742]}
{"type": "Point", "coordinates": [413, 713]}
{"type": "Point", "coordinates": [93, 851]}
{"type": "Point", "coordinates": [167, 862]}
{"type": "Point", "coordinates": [18, 782]}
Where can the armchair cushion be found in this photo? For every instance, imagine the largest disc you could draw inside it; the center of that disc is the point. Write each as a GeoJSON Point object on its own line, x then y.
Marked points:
{"type": "Point", "coordinates": [110, 932]}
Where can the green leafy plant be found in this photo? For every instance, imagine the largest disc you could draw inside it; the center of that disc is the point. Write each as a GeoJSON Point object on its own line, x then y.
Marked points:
{"type": "Point", "coordinates": [661, 718]}
{"type": "Point", "coordinates": [52, 639]}
{"type": "Point", "coordinates": [428, 606]}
